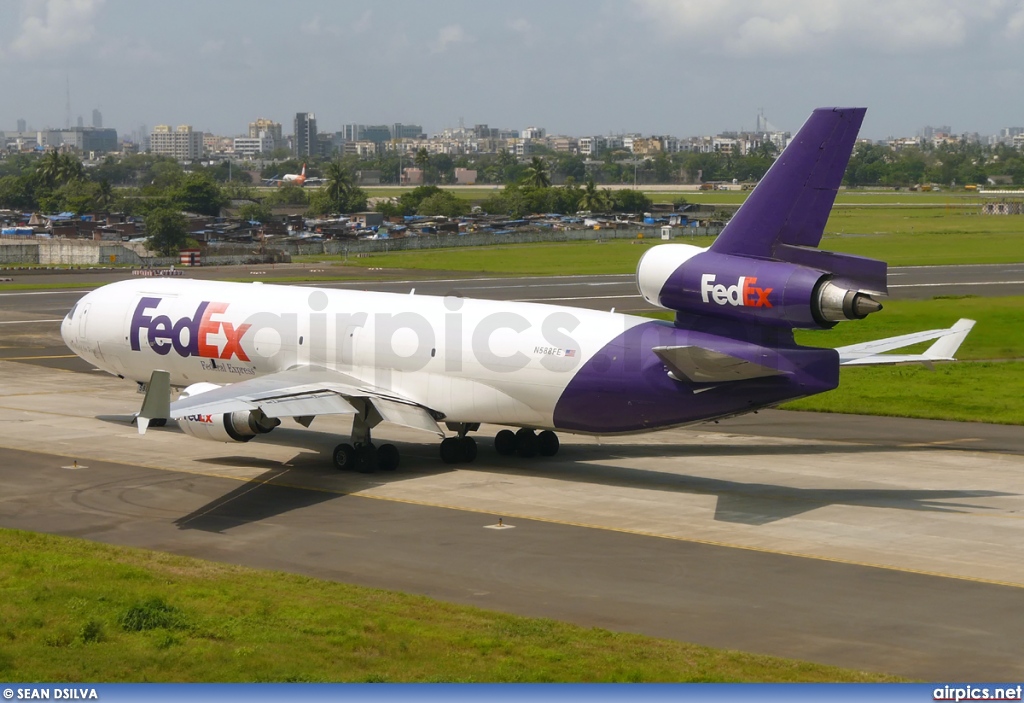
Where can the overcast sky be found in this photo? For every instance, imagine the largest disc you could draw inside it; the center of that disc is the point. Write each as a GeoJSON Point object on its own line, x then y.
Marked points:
{"type": "Point", "coordinates": [680, 67]}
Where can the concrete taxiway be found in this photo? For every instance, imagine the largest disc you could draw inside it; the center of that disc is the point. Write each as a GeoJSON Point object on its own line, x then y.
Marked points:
{"type": "Point", "coordinates": [872, 543]}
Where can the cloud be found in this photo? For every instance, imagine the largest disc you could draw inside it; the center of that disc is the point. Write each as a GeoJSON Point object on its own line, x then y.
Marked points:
{"type": "Point", "coordinates": [447, 36]}
{"type": "Point", "coordinates": [364, 22]}
{"type": "Point", "coordinates": [788, 27]}
{"type": "Point", "coordinates": [53, 28]}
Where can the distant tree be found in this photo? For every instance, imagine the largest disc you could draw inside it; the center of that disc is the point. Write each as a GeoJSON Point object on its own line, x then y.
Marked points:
{"type": "Point", "coordinates": [592, 199]}
{"type": "Point", "coordinates": [104, 195]}
{"type": "Point", "coordinates": [258, 212]}
{"type": "Point", "coordinates": [536, 174]}
{"type": "Point", "coordinates": [340, 182]}
{"type": "Point", "coordinates": [167, 231]}
{"type": "Point", "coordinates": [49, 168]}
{"type": "Point", "coordinates": [198, 193]}
{"type": "Point", "coordinates": [443, 203]}
{"type": "Point", "coordinates": [422, 161]}
{"type": "Point", "coordinates": [17, 193]}
{"type": "Point", "coordinates": [287, 195]}
{"type": "Point", "coordinates": [70, 169]}
{"type": "Point", "coordinates": [629, 200]}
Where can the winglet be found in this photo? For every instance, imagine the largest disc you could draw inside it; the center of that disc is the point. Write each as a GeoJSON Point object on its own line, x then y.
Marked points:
{"type": "Point", "coordinates": [157, 403]}
{"type": "Point", "coordinates": [945, 347]}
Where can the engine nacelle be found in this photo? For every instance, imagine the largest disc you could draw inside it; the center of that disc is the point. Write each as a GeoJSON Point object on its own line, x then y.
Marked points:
{"type": "Point", "coordinates": [240, 426]}
{"type": "Point", "coordinates": [689, 279]}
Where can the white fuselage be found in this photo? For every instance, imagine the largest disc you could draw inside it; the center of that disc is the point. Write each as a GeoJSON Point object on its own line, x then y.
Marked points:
{"type": "Point", "coordinates": [472, 360]}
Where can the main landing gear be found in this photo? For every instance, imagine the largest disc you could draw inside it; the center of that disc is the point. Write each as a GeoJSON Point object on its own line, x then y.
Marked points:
{"type": "Point", "coordinates": [362, 455]}
{"type": "Point", "coordinates": [525, 442]}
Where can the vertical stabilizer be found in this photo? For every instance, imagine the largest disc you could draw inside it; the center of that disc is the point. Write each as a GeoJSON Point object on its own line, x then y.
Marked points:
{"type": "Point", "coordinates": [791, 204]}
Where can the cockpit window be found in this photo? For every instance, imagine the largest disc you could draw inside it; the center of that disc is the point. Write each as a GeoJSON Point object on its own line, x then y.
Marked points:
{"type": "Point", "coordinates": [71, 313]}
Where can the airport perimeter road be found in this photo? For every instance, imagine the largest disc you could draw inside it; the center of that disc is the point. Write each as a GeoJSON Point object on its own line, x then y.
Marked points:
{"type": "Point", "coordinates": [906, 558]}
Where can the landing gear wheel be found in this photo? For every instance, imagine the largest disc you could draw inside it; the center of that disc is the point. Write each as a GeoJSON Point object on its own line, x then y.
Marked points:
{"type": "Point", "coordinates": [387, 457]}
{"type": "Point", "coordinates": [366, 459]}
{"type": "Point", "coordinates": [505, 442]}
{"type": "Point", "coordinates": [526, 443]}
{"type": "Point", "coordinates": [451, 450]}
{"type": "Point", "coordinates": [547, 443]}
{"type": "Point", "coordinates": [158, 422]}
{"type": "Point", "coordinates": [468, 449]}
{"type": "Point", "coordinates": [344, 457]}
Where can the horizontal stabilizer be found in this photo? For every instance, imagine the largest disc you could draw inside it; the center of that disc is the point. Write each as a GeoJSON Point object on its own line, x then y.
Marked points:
{"type": "Point", "coordinates": [947, 343]}
{"type": "Point", "coordinates": [701, 365]}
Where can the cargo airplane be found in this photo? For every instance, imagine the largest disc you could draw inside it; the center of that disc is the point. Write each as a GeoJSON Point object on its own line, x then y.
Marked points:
{"type": "Point", "coordinates": [247, 355]}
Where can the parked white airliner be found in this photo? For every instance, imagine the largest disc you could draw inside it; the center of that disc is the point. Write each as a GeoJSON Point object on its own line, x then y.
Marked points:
{"type": "Point", "coordinates": [249, 355]}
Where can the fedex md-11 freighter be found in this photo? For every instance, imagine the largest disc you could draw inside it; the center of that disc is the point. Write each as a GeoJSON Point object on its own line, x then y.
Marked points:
{"type": "Point", "coordinates": [249, 355]}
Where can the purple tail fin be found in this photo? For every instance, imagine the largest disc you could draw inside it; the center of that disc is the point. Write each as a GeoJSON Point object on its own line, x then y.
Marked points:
{"type": "Point", "coordinates": [792, 202]}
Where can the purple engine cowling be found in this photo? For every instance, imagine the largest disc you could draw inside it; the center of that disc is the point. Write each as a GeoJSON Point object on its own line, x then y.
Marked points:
{"type": "Point", "coordinates": [690, 279]}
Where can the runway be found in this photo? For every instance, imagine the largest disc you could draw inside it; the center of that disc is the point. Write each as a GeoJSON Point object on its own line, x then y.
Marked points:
{"type": "Point", "coordinates": [872, 543]}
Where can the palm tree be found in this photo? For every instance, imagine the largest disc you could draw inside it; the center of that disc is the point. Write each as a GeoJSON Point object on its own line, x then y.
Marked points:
{"type": "Point", "coordinates": [592, 199]}
{"type": "Point", "coordinates": [104, 195]}
{"type": "Point", "coordinates": [339, 183]}
{"type": "Point", "coordinates": [70, 169]}
{"type": "Point", "coordinates": [537, 173]}
{"type": "Point", "coordinates": [49, 167]}
{"type": "Point", "coordinates": [422, 160]}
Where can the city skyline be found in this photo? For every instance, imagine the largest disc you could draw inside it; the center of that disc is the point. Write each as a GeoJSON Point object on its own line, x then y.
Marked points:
{"type": "Point", "coordinates": [678, 67]}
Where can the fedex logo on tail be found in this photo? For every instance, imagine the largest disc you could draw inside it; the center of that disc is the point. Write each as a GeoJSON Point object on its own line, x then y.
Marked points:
{"type": "Point", "coordinates": [197, 335]}
{"type": "Point", "coordinates": [743, 294]}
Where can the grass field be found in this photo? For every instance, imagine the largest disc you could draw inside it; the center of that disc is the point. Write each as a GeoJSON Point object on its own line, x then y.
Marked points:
{"type": "Point", "coordinates": [73, 611]}
{"type": "Point", "coordinates": [954, 240]}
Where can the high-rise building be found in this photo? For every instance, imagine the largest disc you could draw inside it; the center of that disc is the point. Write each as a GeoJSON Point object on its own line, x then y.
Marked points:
{"type": "Point", "coordinates": [271, 128]}
{"type": "Point", "coordinates": [81, 122]}
{"type": "Point", "coordinates": [183, 143]}
{"type": "Point", "coordinates": [406, 131]}
{"type": "Point", "coordinates": [22, 126]}
{"type": "Point", "coordinates": [305, 142]}
{"type": "Point", "coordinates": [97, 119]}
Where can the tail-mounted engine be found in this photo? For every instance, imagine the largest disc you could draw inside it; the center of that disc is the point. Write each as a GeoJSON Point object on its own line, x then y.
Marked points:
{"type": "Point", "coordinates": [690, 279]}
{"type": "Point", "coordinates": [238, 426]}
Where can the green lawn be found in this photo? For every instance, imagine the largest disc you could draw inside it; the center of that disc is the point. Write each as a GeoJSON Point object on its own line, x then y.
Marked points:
{"type": "Point", "coordinates": [73, 611]}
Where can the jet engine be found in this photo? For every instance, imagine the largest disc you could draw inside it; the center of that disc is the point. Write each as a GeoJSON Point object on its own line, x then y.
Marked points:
{"type": "Point", "coordinates": [239, 426]}
{"type": "Point", "coordinates": [693, 280]}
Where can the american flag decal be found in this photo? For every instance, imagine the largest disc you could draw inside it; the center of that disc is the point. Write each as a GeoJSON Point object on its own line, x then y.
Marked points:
{"type": "Point", "coordinates": [570, 352]}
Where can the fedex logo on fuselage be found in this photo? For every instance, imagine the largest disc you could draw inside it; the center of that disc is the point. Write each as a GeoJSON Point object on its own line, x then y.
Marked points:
{"type": "Point", "coordinates": [743, 294]}
{"type": "Point", "coordinates": [188, 336]}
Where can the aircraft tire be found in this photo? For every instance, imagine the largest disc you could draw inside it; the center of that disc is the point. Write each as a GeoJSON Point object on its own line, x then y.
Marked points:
{"type": "Point", "coordinates": [505, 442]}
{"type": "Point", "coordinates": [451, 450]}
{"type": "Point", "coordinates": [387, 457]}
{"type": "Point", "coordinates": [547, 443]}
{"type": "Point", "coordinates": [158, 422]}
{"type": "Point", "coordinates": [366, 459]}
{"type": "Point", "coordinates": [526, 443]}
{"type": "Point", "coordinates": [344, 457]}
{"type": "Point", "coordinates": [468, 449]}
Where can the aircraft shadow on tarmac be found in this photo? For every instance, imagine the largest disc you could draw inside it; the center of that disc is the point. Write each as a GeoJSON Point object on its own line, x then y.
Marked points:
{"type": "Point", "coordinates": [308, 479]}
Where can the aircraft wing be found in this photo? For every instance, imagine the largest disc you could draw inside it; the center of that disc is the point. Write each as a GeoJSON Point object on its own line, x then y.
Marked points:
{"type": "Point", "coordinates": [304, 392]}
{"type": "Point", "coordinates": [947, 342]}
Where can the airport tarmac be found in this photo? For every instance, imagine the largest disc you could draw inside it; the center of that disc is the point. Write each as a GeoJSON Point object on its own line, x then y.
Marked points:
{"type": "Point", "coordinates": [871, 543]}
